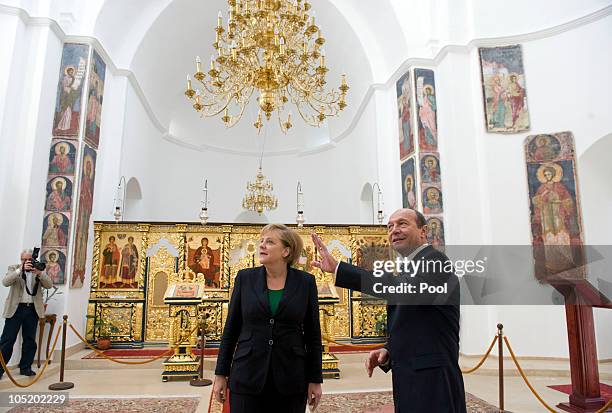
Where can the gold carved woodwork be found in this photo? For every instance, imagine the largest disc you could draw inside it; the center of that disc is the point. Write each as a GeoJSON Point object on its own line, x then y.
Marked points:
{"type": "Point", "coordinates": [354, 316]}
{"type": "Point", "coordinates": [369, 318]}
{"type": "Point", "coordinates": [161, 265]}
{"type": "Point", "coordinates": [126, 318]}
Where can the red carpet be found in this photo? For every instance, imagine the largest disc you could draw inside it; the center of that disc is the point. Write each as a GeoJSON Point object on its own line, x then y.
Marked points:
{"type": "Point", "coordinates": [604, 389]}
{"type": "Point", "coordinates": [139, 353]}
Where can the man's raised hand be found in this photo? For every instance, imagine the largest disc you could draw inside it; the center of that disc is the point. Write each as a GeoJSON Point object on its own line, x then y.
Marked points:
{"type": "Point", "coordinates": [327, 262]}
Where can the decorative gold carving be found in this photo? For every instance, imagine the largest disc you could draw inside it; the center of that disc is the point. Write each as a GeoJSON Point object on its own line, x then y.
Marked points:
{"type": "Point", "coordinates": [161, 266]}
{"type": "Point", "coordinates": [95, 269]}
{"type": "Point", "coordinates": [125, 317]}
{"type": "Point", "coordinates": [212, 314]}
{"type": "Point", "coordinates": [369, 318]}
{"type": "Point", "coordinates": [239, 247]}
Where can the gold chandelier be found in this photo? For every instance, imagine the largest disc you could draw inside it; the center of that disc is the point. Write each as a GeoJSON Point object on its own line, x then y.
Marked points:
{"type": "Point", "coordinates": [274, 47]}
{"type": "Point", "coordinates": [259, 195]}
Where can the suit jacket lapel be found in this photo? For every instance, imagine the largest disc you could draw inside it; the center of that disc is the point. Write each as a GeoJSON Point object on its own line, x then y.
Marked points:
{"type": "Point", "coordinates": [291, 284]}
{"type": "Point", "coordinates": [261, 289]}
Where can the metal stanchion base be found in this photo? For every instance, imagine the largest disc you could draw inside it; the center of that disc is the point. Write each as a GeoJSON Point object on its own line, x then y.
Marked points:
{"type": "Point", "coordinates": [200, 382]}
{"type": "Point", "coordinates": [63, 385]}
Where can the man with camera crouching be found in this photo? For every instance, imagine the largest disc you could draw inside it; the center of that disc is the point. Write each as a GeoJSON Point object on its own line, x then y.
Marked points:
{"type": "Point", "coordinates": [23, 307]}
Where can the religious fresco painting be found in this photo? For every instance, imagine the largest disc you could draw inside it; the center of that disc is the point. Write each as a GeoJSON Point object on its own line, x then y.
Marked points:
{"type": "Point", "coordinates": [427, 123]}
{"type": "Point", "coordinates": [120, 260]}
{"type": "Point", "coordinates": [62, 157]}
{"type": "Point", "coordinates": [55, 230]}
{"type": "Point", "coordinates": [95, 96]}
{"type": "Point", "coordinates": [409, 194]}
{"type": "Point", "coordinates": [59, 194]}
{"type": "Point", "coordinates": [504, 90]}
{"type": "Point", "coordinates": [58, 207]}
{"type": "Point", "coordinates": [204, 256]}
{"type": "Point", "coordinates": [69, 91]}
{"type": "Point", "coordinates": [432, 200]}
{"type": "Point", "coordinates": [84, 208]}
{"type": "Point", "coordinates": [422, 189]}
{"type": "Point", "coordinates": [430, 168]}
{"type": "Point", "coordinates": [404, 107]}
{"type": "Point", "coordinates": [556, 219]}
{"type": "Point", "coordinates": [435, 231]}
{"type": "Point", "coordinates": [55, 258]}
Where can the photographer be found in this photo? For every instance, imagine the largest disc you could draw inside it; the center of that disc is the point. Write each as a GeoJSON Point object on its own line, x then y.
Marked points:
{"type": "Point", "coordinates": [24, 305]}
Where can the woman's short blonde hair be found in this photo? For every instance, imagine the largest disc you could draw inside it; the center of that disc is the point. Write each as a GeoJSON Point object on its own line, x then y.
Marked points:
{"type": "Point", "coordinates": [289, 238]}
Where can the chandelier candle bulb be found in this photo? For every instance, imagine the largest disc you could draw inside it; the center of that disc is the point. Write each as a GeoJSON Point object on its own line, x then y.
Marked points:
{"type": "Point", "coordinates": [219, 19]}
{"type": "Point", "coordinates": [198, 64]}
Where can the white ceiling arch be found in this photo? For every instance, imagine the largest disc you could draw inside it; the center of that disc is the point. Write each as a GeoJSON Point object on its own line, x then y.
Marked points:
{"type": "Point", "coordinates": [163, 37]}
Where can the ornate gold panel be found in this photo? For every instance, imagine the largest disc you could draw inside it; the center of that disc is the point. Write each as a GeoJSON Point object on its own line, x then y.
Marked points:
{"type": "Point", "coordinates": [168, 246]}
{"type": "Point", "coordinates": [161, 266]}
{"type": "Point", "coordinates": [125, 317]}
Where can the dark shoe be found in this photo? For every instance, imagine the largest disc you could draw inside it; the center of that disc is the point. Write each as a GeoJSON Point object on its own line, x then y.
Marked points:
{"type": "Point", "coordinates": [28, 372]}
{"type": "Point", "coordinates": [1, 374]}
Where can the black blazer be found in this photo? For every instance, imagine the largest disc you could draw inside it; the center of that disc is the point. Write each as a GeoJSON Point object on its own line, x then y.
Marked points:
{"type": "Point", "coordinates": [255, 343]}
{"type": "Point", "coordinates": [423, 339]}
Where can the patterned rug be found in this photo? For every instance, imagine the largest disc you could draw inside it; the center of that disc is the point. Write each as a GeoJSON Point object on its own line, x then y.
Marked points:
{"type": "Point", "coordinates": [144, 405]}
{"type": "Point", "coordinates": [604, 389]}
{"type": "Point", "coordinates": [371, 402]}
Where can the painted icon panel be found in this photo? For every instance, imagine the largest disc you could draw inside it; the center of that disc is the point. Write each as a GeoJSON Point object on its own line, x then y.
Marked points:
{"type": "Point", "coordinates": [70, 88]}
{"type": "Point", "coordinates": [430, 168]}
{"type": "Point", "coordinates": [504, 89]}
{"type": "Point", "coordinates": [404, 107]}
{"type": "Point", "coordinates": [204, 256]}
{"type": "Point", "coordinates": [95, 97]}
{"type": "Point", "coordinates": [59, 194]}
{"type": "Point", "coordinates": [556, 221]}
{"type": "Point", "coordinates": [425, 90]}
{"type": "Point", "coordinates": [62, 157]}
{"type": "Point", "coordinates": [121, 260]}
{"type": "Point", "coordinates": [409, 194]}
{"type": "Point", "coordinates": [55, 258]}
{"type": "Point", "coordinates": [432, 199]}
{"type": "Point", "coordinates": [84, 208]}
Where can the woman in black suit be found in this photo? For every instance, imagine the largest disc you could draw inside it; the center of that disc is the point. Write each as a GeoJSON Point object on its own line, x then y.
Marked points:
{"type": "Point", "coordinates": [271, 345]}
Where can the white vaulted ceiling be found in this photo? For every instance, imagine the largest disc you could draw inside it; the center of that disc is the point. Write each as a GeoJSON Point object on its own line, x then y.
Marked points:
{"type": "Point", "coordinates": [160, 39]}
{"type": "Point", "coordinates": [370, 41]}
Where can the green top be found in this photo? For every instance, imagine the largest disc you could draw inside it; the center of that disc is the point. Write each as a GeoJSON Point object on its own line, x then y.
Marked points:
{"type": "Point", "coordinates": [274, 297]}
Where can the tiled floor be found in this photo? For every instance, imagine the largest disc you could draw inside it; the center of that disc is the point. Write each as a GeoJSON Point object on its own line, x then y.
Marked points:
{"type": "Point", "coordinates": [101, 378]}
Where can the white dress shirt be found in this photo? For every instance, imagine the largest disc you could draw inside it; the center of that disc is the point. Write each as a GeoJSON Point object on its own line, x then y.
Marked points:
{"type": "Point", "coordinates": [30, 279]}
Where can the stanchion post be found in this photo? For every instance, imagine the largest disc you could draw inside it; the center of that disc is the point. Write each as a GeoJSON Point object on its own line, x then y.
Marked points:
{"type": "Point", "coordinates": [201, 381]}
{"type": "Point", "coordinates": [62, 385]}
{"type": "Point", "coordinates": [500, 351]}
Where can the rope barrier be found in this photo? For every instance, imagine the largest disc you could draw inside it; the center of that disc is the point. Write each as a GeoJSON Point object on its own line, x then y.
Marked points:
{"type": "Point", "coordinates": [101, 353]}
{"type": "Point", "coordinates": [328, 339]}
{"type": "Point", "coordinates": [482, 360]}
{"type": "Point", "coordinates": [357, 346]}
{"type": "Point", "coordinates": [39, 374]}
{"type": "Point", "coordinates": [535, 393]}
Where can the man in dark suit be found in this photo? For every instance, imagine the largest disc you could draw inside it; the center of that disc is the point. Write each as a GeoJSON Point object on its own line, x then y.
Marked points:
{"type": "Point", "coordinates": [423, 345]}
